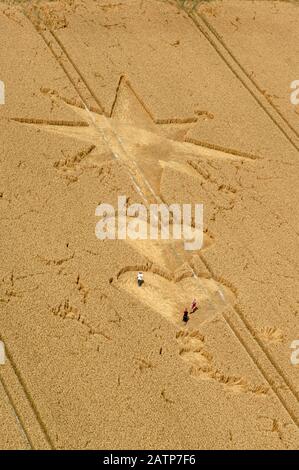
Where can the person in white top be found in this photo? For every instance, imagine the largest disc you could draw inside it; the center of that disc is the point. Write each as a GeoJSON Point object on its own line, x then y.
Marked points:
{"type": "Point", "coordinates": [140, 279]}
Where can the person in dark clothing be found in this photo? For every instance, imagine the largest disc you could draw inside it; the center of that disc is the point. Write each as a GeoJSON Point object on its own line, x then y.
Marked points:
{"type": "Point", "coordinates": [186, 316]}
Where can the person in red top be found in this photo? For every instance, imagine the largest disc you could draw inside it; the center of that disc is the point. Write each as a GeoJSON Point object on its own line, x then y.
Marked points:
{"type": "Point", "coordinates": [193, 307]}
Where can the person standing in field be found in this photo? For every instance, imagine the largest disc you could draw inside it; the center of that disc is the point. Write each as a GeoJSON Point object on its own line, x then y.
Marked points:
{"type": "Point", "coordinates": [186, 316]}
{"type": "Point", "coordinates": [140, 279]}
{"type": "Point", "coordinates": [193, 307]}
